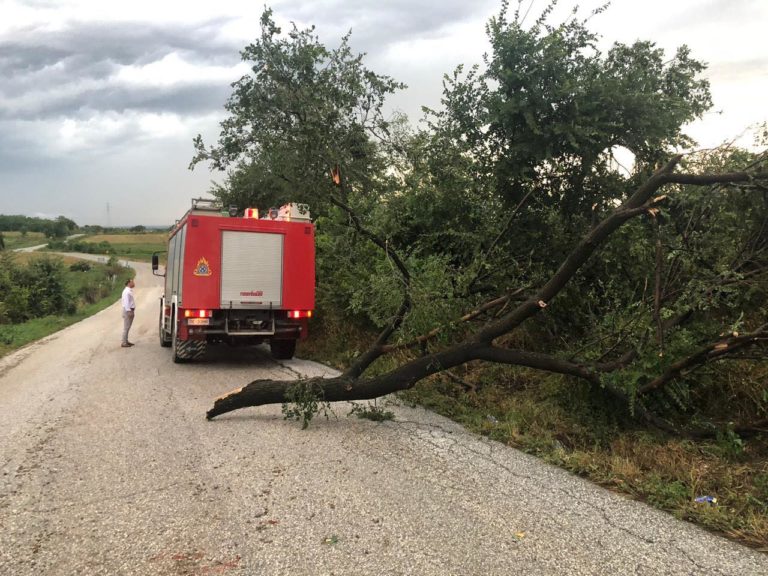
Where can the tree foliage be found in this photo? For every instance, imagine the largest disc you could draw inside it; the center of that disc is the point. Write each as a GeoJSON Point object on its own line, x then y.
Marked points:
{"type": "Point", "coordinates": [303, 109]}
{"type": "Point", "coordinates": [506, 219]}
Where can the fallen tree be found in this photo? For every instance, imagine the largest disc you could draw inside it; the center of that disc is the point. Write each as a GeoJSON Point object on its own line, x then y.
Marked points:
{"type": "Point", "coordinates": [480, 345]}
{"type": "Point", "coordinates": [476, 238]}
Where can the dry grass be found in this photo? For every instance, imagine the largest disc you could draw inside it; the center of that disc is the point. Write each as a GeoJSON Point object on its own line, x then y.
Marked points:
{"type": "Point", "coordinates": [26, 257]}
{"type": "Point", "coordinates": [15, 240]}
{"type": "Point", "coordinates": [149, 238]}
{"type": "Point", "coordinates": [30, 235]}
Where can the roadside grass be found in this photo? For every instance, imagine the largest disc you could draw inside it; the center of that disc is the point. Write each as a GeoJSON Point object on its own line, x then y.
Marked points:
{"type": "Point", "coordinates": [83, 283]}
{"type": "Point", "coordinates": [565, 423]}
{"type": "Point", "coordinates": [14, 240]}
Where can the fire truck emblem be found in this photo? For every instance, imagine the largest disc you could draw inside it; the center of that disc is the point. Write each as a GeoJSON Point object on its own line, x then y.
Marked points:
{"type": "Point", "coordinates": [202, 268]}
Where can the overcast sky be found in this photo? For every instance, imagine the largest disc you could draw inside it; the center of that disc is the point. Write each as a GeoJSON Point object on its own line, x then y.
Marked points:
{"type": "Point", "coordinates": [99, 100]}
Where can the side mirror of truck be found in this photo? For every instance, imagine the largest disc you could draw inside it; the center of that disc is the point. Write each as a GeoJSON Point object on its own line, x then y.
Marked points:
{"type": "Point", "coordinates": [156, 264]}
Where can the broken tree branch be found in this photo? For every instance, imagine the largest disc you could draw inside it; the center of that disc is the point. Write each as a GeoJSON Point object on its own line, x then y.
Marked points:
{"type": "Point", "coordinates": [703, 355]}
{"type": "Point", "coordinates": [466, 318]}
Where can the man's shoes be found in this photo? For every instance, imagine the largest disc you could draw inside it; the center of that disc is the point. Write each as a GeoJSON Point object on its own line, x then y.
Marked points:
{"type": "Point", "coordinates": [126, 345]}
{"type": "Point", "coordinates": [130, 344]}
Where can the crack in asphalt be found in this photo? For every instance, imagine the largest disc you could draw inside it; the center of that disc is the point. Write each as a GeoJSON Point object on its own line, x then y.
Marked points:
{"type": "Point", "coordinates": [447, 443]}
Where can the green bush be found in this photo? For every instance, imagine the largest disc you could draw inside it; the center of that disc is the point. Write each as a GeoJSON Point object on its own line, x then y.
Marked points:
{"type": "Point", "coordinates": [92, 293]}
{"type": "Point", "coordinates": [16, 304]}
{"type": "Point", "coordinates": [49, 291]}
{"type": "Point", "coordinates": [6, 335]}
{"type": "Point", "coordinates": [81, 266]}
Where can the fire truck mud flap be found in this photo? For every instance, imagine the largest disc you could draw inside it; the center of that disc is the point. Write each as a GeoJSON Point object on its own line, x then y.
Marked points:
{"type": "Point", "coordinates": [187, 350]}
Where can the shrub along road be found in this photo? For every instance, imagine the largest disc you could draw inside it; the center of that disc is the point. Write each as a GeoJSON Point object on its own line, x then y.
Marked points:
{"type": "Point", "coordinates": [108, 466]}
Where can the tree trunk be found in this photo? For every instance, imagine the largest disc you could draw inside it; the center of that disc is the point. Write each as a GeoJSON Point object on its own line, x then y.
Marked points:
{"type": "Point", "coordinates": [260, 392]}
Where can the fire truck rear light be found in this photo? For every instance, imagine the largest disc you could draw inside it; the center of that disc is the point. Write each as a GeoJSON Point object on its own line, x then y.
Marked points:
{"type": "Point", "coordinates": [252, 213]}
{"type": "Point", "coordinates": [198, 313]}
{"type": "Point", "coordinates": [300, 314]}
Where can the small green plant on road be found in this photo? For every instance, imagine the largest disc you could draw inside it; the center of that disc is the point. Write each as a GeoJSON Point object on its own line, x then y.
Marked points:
{"type": "Point", "coordinates": [305, 400]}
{"type": "Point", "coordinates": [371, 411]}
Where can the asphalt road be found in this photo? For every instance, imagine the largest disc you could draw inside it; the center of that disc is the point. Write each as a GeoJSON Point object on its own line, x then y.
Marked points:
{"type": "Point", "coordinates": [108, 466]}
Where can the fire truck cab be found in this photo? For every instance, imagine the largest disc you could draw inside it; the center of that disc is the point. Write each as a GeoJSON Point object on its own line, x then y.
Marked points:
{"type": "Point", "coordinates": [237, 280]}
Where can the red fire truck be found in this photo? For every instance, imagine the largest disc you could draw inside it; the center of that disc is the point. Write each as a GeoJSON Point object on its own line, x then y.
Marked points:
{"type": "Point", "coordinates": [237, 280]}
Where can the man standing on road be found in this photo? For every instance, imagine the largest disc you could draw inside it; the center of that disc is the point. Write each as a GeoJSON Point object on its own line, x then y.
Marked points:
{"type": "Point", "coordinates": [129, 305]}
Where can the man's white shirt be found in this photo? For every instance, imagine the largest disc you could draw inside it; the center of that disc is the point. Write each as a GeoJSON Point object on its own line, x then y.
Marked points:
{"type": "Point", "coordinates": [128, 302]}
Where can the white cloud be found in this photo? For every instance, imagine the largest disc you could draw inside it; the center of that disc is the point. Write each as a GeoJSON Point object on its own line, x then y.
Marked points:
{"type": "Point", "coordinates": [173, 69]}
{"type": "Point", "coordinates": [111, 133]}
{"type": "Point", "coordinates": [162, 126]}
{"type": "Point", "coordinates": [91, 134]}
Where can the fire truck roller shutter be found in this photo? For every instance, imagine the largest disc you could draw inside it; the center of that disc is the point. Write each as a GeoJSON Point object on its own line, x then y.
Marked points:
{"type": "Point", "coordinates": [251, 270]}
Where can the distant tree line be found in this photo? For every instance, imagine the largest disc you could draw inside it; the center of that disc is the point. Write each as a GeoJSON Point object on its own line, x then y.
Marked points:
{"type": "Point", "coordinates": [58, 228]}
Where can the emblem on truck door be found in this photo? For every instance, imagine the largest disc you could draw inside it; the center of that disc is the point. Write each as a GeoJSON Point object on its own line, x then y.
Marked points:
{"type": "Point", "coordinates": [202, 268]}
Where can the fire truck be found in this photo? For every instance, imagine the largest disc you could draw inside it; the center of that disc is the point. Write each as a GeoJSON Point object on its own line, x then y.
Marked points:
{"type": "Point", "coordinates": [237, 280]}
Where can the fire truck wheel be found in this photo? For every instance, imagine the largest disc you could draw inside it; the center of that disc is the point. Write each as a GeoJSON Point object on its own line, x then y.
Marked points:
{"type": "Point", "coordinates": [282, 349]}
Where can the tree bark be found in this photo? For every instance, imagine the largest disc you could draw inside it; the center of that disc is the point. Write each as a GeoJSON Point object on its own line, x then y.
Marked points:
{"type": "Point", "coordinates": [260, 392]}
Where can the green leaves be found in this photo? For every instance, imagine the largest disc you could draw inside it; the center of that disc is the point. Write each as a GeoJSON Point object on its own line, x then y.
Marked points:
{"type": "Point", "coordinates": [496, 188]}
{"type": "Point", "coordinates": [303, 109]}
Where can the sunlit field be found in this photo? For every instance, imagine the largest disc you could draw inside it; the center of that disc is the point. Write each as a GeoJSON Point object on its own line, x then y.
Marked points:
{"type": "Point", "coordinates": [14, 240]}
{"type": "Point", "coordinates": [129, 239]}
{"type": "Point", "coordinates": [126, 246]}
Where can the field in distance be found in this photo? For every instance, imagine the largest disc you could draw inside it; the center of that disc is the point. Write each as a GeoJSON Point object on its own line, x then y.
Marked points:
{"type": "Point", "coordinates": [15, 240]}
{"type": "Point", "coordinates": [136, 246]}
{"type": "Point", "coordinates": [159, 238]}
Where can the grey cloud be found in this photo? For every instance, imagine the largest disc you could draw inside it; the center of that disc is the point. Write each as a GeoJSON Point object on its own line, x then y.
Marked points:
{"type": "Point", "coordinates": [178, 99]}
{"type": "Point", "coordinates": [18, 151]}
{"type": "Point", "coordinates": [62, 70]}
{"type": "Point", "coordinates": [119, 42]}
{"type": "Point", "coordinates": [377, 24]}
{"type": "Point", "coordinates": [33, 60]}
